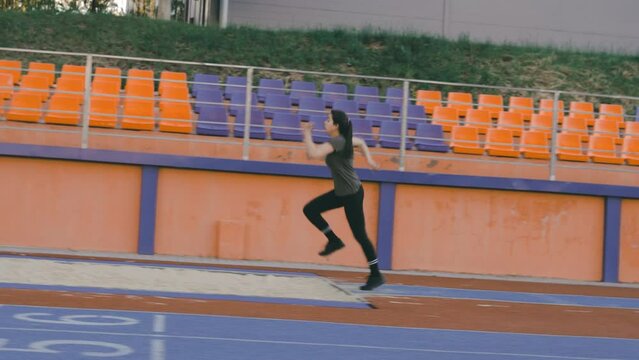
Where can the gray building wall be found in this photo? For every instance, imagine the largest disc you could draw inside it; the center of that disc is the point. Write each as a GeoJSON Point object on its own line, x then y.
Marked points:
{"type": "Point", "coordinates": [604, 25]}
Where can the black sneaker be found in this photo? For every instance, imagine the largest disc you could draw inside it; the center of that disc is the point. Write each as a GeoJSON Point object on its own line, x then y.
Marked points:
{"type": "Point", "coordinates": [373, 282]}
{"type": "Point", "coordinates": [331, 247]}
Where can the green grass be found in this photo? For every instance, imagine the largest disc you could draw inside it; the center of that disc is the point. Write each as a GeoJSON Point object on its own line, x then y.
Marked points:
{"type": "Point", "coordinates": [366, 52]}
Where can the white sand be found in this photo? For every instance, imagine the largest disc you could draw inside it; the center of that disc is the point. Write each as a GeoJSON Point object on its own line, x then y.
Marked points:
{"type": "Point", "coordinates": [170, 279]}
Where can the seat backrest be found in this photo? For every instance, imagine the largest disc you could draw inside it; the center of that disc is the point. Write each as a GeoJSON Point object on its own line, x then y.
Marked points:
{"type": "Point", "coordinates": [334, 92]}
{"type": "Point", "coordinates": [13, 67]}
{"type": "Point", "coordinates": [286, 120]}
{"type": "Point", "coordinates": [270, 86]}
{"type": "Point", "coordinates": [302, 88]}
{"type": "Point", "coordinates": [311, 103]}
{"type": "Point", "coordinates": [478, 118]}
{"type": "Point", "coordinates": [46, 70]}
{"type": "Point", "coordinates": [631, 147]}
{"type": "Point", "coordinates": [582, 110]}
{"type": "Point", "coordinates": [500, 139]}
{"type": "Point", "coordinates": [429, 99]}
{"type": "Point", "coordinates": [511, 120]}
{"type": "Point", "coordinates": [601, 146]}
{"type": "Point", "coordinates": [465, 136]}
{"type": "Point", "coordinates": [541, 122]}
{"type": "Point", "coordinates": [365, 94]}
{"type": "Point", "coordinates": [605, 127]}
{"type": "Point", "coordinates": [431, 131]}
{"type": "Point", "coordinates": [350, 107]}
{"type": "Point", "coordinates": [445, 116]}
{"type": "Point", "coordinates": [575, 125]}
{"type": "Point", "coordinates": [461, 101]}
{"type": "Point", "coordinates": [522, 105]}
{"type": "Point", "coordinates": [394, 95]}
{"type": "Point", "coordinates": [632, 129]}
{"type": "Point", "coordinates": [213, 114]}
{"type": "Point", "coordinates": [546, 108]}
{"type": "Point", "coordinates": [492, 103]}
{"type": "Point", "coordinates": [569, 143]}
{"type": "Point", "coordinates": [534, 141]}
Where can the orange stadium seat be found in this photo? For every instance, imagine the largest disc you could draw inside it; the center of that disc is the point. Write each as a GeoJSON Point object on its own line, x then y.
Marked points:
{"type": "Point", "coordinates": [583, 110]}
{"type": "Point", "coordinates": [492, 103]}
{"type": "Point", "coordinates": [511, 121]}
{"type": "Point", "coordinates": [534, 145]}
{"type": "Point", "coordinates": [140, 91]}
{"type": "Point", "coordinates": [63, 109]}
{"type": "Point", "coordinates": [36, 86]}
{"type": "Point", "coordinates": [176, 118]}
{"type": "Point", "coordinates": [541, 123]}
{"type": "Point", "coordinates": [446, 117]}
{"type": "Point", "coordinates": [173, 95]}
{"type": "Point", "coordinates": [13, 68]}
{"type": "Point", "coordinates": [465, 140]}
{"type": "Point", "coordinates": [104, 112]}
{"type": "Point", "coordinates": [632, 129]}
{"type": "Point", "coordinates": [70, 85]}
{"type": "Point", "coordinates": [138, 115]}
{"type": "Point", "coordinates": [577, 126]}
{"type": "Point", "coordinates": [631, 150]}
{"type": "Point", "coordinates": [601, 149]}
{"type": "Point", "coordinates": [461, 101]}
{"type": "Point", "coordinates": [479, 119]}
{"type": "Point", "coordinates": [499, 142]}
{"type": "Point", "coordinates": [612, 112]}
{"type": "Point", "coordinates": [546, 108]}
{"type": "Point", "coordinates": [46, 70]}
{"type": "Point", "coordinates": [604, 127]}
{"type": "Point", "coordinates": [105, 86]}
{"type": "Point", "coordinates": [110, 74]}
{"type": "Point", "coordinates": [429, 99]}
{"type": "Point", "coordinates": [521, 105]}
{"type": "Point", "coordinates": [170, 79]}
{"type": "Point", "coordinates": [569, 147]}
{"type": "Point", "coordinates": [24, 107]}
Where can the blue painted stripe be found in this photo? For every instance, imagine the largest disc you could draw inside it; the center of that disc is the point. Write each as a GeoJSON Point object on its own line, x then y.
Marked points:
{"type": "Point", "coordinates": [385, 223]}
{"type": "Point", "coordinates": [491, 295]}
{"type": "Point", "coordinates": [317, 171]}
{"type": "Point", "coordinates": [148, 201]}
{"type": "Point", "coordinates": [171, 294]}
{"type": "Point", "coordinates": [612, 229]}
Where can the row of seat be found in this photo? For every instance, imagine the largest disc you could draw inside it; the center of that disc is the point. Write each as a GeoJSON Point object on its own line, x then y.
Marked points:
{"type": "Point", "coordinates": [331, 92]}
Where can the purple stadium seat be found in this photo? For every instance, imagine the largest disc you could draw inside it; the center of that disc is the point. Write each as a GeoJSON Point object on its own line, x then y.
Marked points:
{"type": "Point", "coordinates": [365, 94]}
{"type": "Point", "coordinates": [430, 137]}
{"type": "Point", "coordinates": [268, 87]}
{"type": "Point", "coordinates": [363, 128]}
{"type": "Point", "coordinates": [319, 133]}
{"type": "Point", "coordinates": [415, 115]}
{"type": "Point", "coordinates": [238, 102]}
{"type": "Point", "coordinates": [389, 135]}
{"type": "Point", "coordinates": [213, 120]}
{"type": "Point", "coordinates": [311, 106]}
{"type": "Point", "coordinates": [377, 112]}
{"type": "Point", "coordinates": [301, 89]}
{"type": "Point", "coordinates": [347, 106]}
{"type": "Point", "coordinates": [286, 126]}
{"type": "Point", "coordinates": [257, 125]}
{"type": "Point", "coordinates": [234, 84]}
{"type": "Point", "coordinates": [334, 92]}
{"type": "Point", "coordinates": [208, 97]}
{"type": "Point", "coordinates": [276, 103]}
{"type": "Point", "coordinates": [394, 98]}
{"type": "Point", "coordinates": [205, 82]}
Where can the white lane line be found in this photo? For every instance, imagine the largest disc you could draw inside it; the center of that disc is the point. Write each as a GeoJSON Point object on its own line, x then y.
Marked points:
{"type": "Point", "coordinates": [159, 323]}
{"type": "Point", "coordinates": [493, 305]}
{"type": "Point", "coordinates": [300, 343]}
{"type": "Point", "coordinates": [404, 302]}
{"type": "Point", "coordinates": [158, 350]}
{"type": "Point", "coordinates": [578, 311]}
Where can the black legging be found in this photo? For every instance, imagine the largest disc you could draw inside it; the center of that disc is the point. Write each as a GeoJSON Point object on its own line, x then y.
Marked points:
{"type": "Point", "coordinates": [353, 207]}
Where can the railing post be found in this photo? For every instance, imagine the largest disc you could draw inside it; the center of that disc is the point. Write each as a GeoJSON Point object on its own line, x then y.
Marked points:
{"type": "Point", "coordinates": [247, 113]}
{"type": "Point", "coordinates": [402, 142]}
{"type": "Point", "coordinates": [553, 135]}
{"type": "Point", "coordinates": [87, 102]}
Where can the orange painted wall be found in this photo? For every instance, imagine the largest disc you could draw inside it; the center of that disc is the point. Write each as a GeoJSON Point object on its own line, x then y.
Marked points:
{"type": "Point", "coordinates": [498, 232]}
{"type": "Point", "coordinates": [629, 241]}
{"type": "Point", "coordinates": [257, 217]}
{"type": "Point", "coordinates": [69, 205]}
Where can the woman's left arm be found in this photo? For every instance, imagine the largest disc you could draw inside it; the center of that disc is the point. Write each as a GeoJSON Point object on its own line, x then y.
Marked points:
{"type": "Point", "coordinates": [314, 151]}
{"type": "Point", "coordinates": [360, 144]}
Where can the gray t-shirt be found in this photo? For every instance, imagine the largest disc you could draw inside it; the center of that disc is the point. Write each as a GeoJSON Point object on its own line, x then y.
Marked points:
{"type": "Point", "coordinates": [344, 176]}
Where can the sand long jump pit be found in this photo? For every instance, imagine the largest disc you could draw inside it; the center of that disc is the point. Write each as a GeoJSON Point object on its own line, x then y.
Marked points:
{"type": "Point", "coordinates": [195, 282]}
